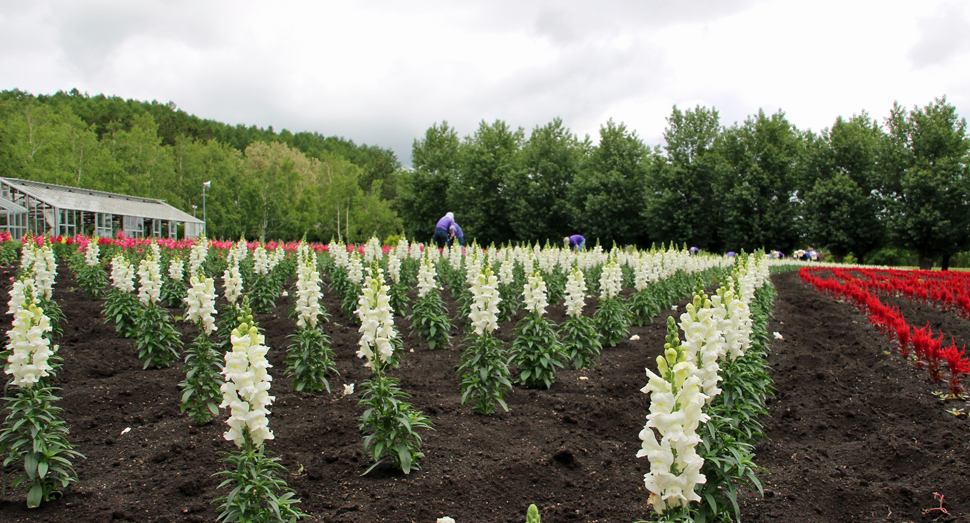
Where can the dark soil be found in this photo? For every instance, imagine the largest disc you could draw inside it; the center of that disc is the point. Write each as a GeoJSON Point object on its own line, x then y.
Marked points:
{"type": "Point", "coordinates": [854, 432]}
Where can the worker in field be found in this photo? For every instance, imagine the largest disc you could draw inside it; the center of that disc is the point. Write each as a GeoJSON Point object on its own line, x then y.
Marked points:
{"type": "Point", "coordinates": [444, 230]}
{"type": "Point", "coordinates": [575, 242]}
{"type": "Point", "coordinates": [459, 236]}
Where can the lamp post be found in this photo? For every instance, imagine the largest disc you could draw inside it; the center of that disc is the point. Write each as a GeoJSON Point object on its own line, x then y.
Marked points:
{"type": "Point", "coordinates": [205, 186]}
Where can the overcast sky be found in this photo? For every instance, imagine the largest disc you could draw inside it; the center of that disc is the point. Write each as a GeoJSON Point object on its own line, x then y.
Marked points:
{"type": "Point", "coordinates": [382, 72]}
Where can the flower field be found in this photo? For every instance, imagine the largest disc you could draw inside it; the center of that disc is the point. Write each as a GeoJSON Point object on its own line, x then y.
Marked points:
{"type": "Point", "coordinates": [854, 431]}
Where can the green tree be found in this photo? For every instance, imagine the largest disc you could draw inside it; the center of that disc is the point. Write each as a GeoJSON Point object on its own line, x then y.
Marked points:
{"type": "Point", "coordinates": [197, 162]}
{"type": "Point", "coordinates": [759, 192]}
{"type": "Point", "coordinates": [926, 184]}
{"type": "Point", "coordinates": [146, 166]}
{"type": "Point", "coordinates": [423, 193]}
{"type": "Point", "coordinates": [608, 193]}
{"type": "Point", "coordinates": [842, 205]}
{"type": "Point", "coordinates": [480, 195]}
{"type": "Point", "coordinates": [538, 204]}
{"type": "Point", "coordinates": [683, 201]}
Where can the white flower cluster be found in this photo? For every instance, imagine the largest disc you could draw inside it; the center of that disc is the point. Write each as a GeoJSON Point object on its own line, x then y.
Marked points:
{"type": "Point", "coordinates": [676, 404]}
{"type": "Point", "coordinates": [506, 270]}
{"type": "Point", "coordinates": [19, 292]}
{"type": "Point", "coordinates": [611, 280]}
{"type": "Point", "coordinates": [41, 264]}
{"type": "Point", "coordinates": [548, 259]}
{"type": "Point", "coordinates": [29, 349]}
{"type": "Point", "coordinates": [338, 252]}
{"type": "Point", "coordinates": [575, 292]}
{"type": "Point", "coordinates": [197, 255]}
{"type": "Point", "coordinates": [376, 321]}
{"type": "Point", "coordinates": [355, 270]}
{"type": "Point", "coordinates": [260, 261]}
{"type": "Point", "coordinates": [246, 387]}
{"type": "Point", "coordinates": [307, 290]}
{"type": "Point", "coordinates": [373, 250]}
{"type": "Point", "coordinates": [394, 267]}
{"type": "Point", "coordinates": [454, 258]}
{"type": "Point", "coordinates": [92, 253]}
{"type": "Point", "coordinates": [238, 252]}
{"type": "Point", "coordinates": [433, 252]}
{"type": "Point", "coordinates": [642, 273]}
{"type": "Point", "coordinates": [534, 294]}
{"type": "Point", "coordinates": [276, 257]}
{"type": "Point", "coordinates": [426, 277]}
{"type": "Point", "coordinates": [122, 274]}
{"type": "Point", "coordinates": [484, 308]}
{"type": "Point", "coordinates": [149, 281]}
{"type": "Point", "coordinates": [232, 282]}
{"type": "Point", "coordinates": [201, 299]}
{"type": "Point", "coordinates": [176, 270]}
{"type": "Point", "coordinates": [704, 342]}
{"type": "Point", "coordinates": [27, 254]}
{"type": "Point", "coordinates": [737, 324]}
{"type": "Point", "coordinates": [402, 248]}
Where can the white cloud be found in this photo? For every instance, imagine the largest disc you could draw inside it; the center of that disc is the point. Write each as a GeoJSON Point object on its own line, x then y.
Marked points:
{"type": "Point", "coordinates": [381, 72]}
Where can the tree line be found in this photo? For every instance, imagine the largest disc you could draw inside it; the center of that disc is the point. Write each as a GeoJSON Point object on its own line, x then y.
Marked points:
{"type": "Point", "coordinates": [265, 185]}
{"type": "Point", "coordinates": [881, 192]}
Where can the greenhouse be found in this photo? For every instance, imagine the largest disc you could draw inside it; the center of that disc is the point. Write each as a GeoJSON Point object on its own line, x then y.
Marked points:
{"type": "Point", "coordinates": [41, 208]}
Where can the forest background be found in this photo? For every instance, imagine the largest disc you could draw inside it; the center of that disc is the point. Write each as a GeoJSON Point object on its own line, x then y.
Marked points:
{"type": "Point", "coordinates": [894, 192]}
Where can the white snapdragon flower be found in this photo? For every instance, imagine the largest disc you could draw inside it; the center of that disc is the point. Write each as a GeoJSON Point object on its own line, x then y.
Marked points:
{"type": "Point", "coordinates": [355, 270]}
{"type": "Point", "coordinates": [426, 277]}
{"type": "Point", "coordinates": [149, 281]}
{"type": "Point", "coordinates": [260, 261]}
{"type": "Point", "coordinates": [28, 254]}
{"type": "Point", "coordinates": [122, 274]}
{"type": "Point", "coordinates": [29, 348]}
{"type": "Point", "coordinates": [703, 344]}
{"type": "Point", "coordinates": [246, 387]}
{"type": "Point", "coordinates": [401, 251]}
{"type": "Point", "coordinates": [92, 253]}
{"type": "Point", "coordinates": [506, 271]}
{"type": "Point", "coordinates": [176, 270]}
{"type": "Point", "coordinates": [575, 293]}
{"type": "Point", "coordinates": [611, 281]}
{"type": "Point", "coordinates": [21, 291]}
{"type": "Point", "coordinates": [534, 294]}
{"type": "Point", "coordinates": [275, 257]}
{"type": "Point", "coordinates": [376, 320]}
{"type": "Point", "coordinates": [201, 299]}
{"type": "Point", "coordinates": [473, 265]}
{"type": "Point", "coordinates": [44, 270]}
{"type": "Point", "coordinates": [232, 282]}
{"type": "Point", "coordinates": [676, 403]}
{"type": "Point", "coordinates": [373, 250]}
{"type": "Point", "coordinates": [308, 295]}
{"type": "Point", "coordinates": [394, 267]}
{"type": "Point", "coordinates": [484, 308]}
{"type": "Point", "coordinates": [197, 255]}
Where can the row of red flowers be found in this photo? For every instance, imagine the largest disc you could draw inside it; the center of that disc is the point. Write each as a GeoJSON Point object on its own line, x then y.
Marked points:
{"type": "Point", "coordinates": [945, 290]}
{"type": "Point", "coordinates": [919, 346]}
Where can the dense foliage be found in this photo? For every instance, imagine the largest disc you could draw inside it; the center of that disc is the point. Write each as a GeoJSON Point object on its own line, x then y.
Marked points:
{"type": "Point", "coordinates": [891, 192]}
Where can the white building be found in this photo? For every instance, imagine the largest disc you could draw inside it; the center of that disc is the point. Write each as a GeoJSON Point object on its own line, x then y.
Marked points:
{"type": "Point", "coordinates": [42, 208]}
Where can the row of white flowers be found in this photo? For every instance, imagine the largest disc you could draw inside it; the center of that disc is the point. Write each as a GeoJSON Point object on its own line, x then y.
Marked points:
{"type": "Point", "coordinates": [715, 329]}
{"type": "Point", "coordinates": [307, 287]}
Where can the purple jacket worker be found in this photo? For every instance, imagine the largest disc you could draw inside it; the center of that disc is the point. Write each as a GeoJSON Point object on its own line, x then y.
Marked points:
{"type": "Point", "coordinates": [460, 236]}
{"type": "Point", "coordinates": [576, 242]}
{"type": "Point", "coordinates": [444, 230]}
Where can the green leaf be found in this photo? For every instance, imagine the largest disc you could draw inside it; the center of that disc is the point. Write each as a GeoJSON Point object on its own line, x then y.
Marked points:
{"type": "Point", "coordinates": [35, 496]}
{"type": "Point", "coordinates": [30, 464]}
